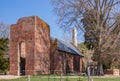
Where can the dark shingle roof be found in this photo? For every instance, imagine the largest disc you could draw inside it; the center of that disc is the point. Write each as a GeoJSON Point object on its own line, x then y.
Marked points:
{"type": "Point", "coordinates": [68, 47]}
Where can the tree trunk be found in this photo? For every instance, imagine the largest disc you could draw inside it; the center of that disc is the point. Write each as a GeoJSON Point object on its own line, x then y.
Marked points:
{"type": "Point", "coordinates": [100, 70]}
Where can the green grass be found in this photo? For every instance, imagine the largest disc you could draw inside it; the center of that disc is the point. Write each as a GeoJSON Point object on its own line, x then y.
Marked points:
{"type": "Point", "coordinates": [64, 78]}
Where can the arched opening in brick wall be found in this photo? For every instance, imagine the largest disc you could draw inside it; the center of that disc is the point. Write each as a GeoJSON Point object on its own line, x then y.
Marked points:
{"type": "Point", "coordinates": [21, 54]}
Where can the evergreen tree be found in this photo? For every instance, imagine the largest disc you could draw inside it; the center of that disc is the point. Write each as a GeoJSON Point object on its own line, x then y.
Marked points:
{"type": "Point", "coordinates": [3, 49]}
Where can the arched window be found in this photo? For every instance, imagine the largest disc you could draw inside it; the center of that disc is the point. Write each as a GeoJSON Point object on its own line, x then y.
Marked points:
{"type": "Point", "coordinates": [21, 58]}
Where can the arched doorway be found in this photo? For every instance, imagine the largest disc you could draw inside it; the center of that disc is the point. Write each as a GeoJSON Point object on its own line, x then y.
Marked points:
{"type": "Point", "coordinates": [21, 54]}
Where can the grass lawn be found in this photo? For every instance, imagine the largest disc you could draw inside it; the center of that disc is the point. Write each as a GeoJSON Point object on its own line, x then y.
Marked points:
{"type": "Point", "coordinates": [64, 78]}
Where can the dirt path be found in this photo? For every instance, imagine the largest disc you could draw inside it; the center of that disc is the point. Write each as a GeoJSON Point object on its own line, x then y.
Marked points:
{"type": "Point", "coordinates": [106, 76]}
{"type": "Point", "coordinates": [8, 77]}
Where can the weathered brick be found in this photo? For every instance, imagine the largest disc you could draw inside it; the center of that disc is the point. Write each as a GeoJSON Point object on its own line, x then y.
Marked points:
{"type": "Point", "coordinates": [32, 51]}
{"type": "Point", "coordinates": [34, 33]}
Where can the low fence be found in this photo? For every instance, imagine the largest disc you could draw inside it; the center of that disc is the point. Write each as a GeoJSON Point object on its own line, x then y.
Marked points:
{"type": "Point", "coordinates": [74, 76]}
{"type": "Point", "coordinates": [54, 76]}
{"type": "Point", "coordinates": [36, 72]}
{"type": "Point", "coordinates": [47, 77]}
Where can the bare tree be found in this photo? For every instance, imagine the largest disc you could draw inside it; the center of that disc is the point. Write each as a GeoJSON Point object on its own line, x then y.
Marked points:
{"type": "Point", "coordinates": [66, 37]}
{"type": "Point", "coordinates": [112, 47]}
{"type": "Point", "coordinates": [4, 30]}
{"type": "Point", "coordinates": [97, 15]}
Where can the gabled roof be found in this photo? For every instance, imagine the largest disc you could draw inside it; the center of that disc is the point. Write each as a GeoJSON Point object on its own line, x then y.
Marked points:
{"type": "Point", "coordinates": [68, 47]}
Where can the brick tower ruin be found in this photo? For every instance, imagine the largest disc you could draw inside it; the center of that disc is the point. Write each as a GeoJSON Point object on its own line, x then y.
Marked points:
{"type": "Point", "coordinates": [29, 47]}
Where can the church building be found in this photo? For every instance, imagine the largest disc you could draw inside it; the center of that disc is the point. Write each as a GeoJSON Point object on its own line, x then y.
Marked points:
{"type": "Point", "coordinates": [33, 52]}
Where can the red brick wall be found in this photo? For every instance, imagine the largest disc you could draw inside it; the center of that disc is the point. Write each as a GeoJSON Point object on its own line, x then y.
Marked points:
{"type": "Point", "coordinates": [35, 34]}
{"type": "Point", "coordinates": [35, 44]}
{"type": "Point", "coordinates": [76, 62]}
{"type": "Point", "coordinates": [115, 72]}
{"type": "Point", "coordinates": [62, 62]}
{"type": "Point", "coordinates": [42, 48]}
{"type": "Point", "coordinates": [82, 67]}
{"type": "Point", "coordinates": [66, 63]}
{"type": "Point", "coordinates": [53, 49]}
{"type": "Point", "coordinates": [22, 31]}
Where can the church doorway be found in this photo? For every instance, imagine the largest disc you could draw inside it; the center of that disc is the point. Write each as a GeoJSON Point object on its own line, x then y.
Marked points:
{"type": "Point", "coordinates": [21, 54]}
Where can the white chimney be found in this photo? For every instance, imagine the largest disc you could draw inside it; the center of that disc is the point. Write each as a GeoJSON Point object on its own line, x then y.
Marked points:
{"type": "Point", "coordinates": [74, 36]}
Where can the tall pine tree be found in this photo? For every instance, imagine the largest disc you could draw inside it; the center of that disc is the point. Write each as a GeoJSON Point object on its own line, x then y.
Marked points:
{"type": "Point", "coordinates": [3, 49]}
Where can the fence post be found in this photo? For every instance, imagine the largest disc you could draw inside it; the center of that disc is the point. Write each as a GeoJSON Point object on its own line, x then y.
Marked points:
{"type": "Point", "coordinates": [88, 71]}
{"type": "Point", "coordinates": [54, 77]}
{"type": "Point", "coordinates": [61, 77]}
{"type": "Point", "coordinates": [48, 77]}
{"type": "Point", "coordinates": [28, 79]}
{"type": "Point", "coordinates": [66, 77]}
{"type": "Point", "coordinates": [79, 78]}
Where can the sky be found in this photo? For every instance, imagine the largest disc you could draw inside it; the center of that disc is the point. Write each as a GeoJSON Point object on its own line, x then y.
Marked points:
{"type": "Point", "coordinates": [12, 10]}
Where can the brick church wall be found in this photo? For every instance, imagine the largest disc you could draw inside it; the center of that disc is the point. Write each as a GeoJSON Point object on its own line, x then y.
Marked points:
{"type": "Point", "coordinates": [78, 64]}
{"type": "Point", "coordinates": [30, 40]}
{"type": "Point", "coordinates": [26, 30]}
{"type": "Point", "coordinates": [64, 62]}
{"type": "Point", "coordinates": [61, 63]}
{"type": "Point", "coordinates": [42, 48]}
